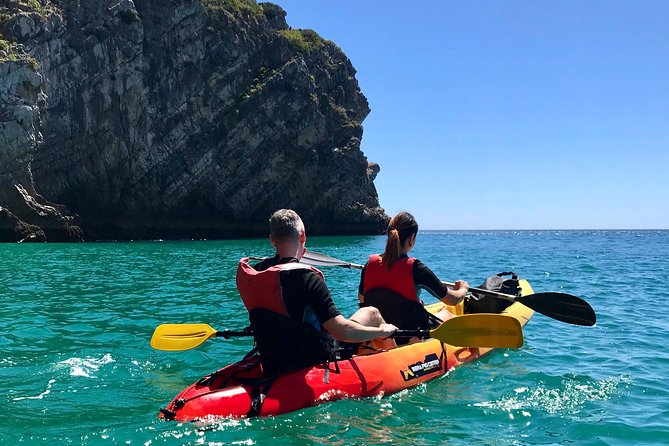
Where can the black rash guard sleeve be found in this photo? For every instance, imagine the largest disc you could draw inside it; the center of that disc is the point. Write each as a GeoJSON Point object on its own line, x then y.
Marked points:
{"type": "Point", "coordinates": [304, 288]}
{"type": "Point", "coordinates": [425, 279]}
{"type": "Point", "coordinates": [320, 298]}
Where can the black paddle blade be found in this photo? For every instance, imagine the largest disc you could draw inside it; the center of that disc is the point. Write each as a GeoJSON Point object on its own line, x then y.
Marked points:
{"type": "Point", "coordinates": [561, 306]}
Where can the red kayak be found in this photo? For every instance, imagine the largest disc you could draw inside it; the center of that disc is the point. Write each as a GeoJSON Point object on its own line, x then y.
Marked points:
{"type": "Point", "coordinates": [240, 389]}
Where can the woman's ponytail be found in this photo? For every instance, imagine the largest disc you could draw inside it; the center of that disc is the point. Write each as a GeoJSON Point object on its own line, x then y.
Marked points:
{"type": "Point", "coordinates": [401, 227]}
{"type": "Point", "coordinates": [393, 247]}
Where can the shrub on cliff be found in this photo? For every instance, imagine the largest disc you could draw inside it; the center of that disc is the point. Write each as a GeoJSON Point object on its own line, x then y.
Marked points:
{"type": "Point", "coordinates": [303, 40]}
{"type": "Point", "coordinates": [234, 5]}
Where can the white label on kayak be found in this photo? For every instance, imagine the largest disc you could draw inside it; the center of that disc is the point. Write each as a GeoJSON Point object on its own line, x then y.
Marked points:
{"type": "Point", "coordinates": [431, 364]}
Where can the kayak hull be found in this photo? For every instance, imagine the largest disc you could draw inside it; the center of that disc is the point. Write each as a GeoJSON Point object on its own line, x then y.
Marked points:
{"type": "Point", "coordinates": [240, 390]}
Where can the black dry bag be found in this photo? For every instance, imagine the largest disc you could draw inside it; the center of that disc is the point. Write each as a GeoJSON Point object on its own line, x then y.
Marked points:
{"type": "Point", "coordinates": [484, 303]}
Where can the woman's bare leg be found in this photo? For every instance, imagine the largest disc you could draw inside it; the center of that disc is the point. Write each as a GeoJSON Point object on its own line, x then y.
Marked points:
{"type": "Point", "coordinates": [444, 314]}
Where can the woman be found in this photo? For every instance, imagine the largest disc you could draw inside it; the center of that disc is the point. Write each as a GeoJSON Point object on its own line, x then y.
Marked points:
{"type": "Point", "coordinates": [392, 281]}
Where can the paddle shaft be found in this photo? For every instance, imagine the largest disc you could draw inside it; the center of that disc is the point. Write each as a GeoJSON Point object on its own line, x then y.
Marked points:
{"type": "Point", "coordinates": [508, 297]}
{"type": "Point", "coordinates": [323, 260]}
{"type": "Point", "coordinates": [227, 334]}
{"type": "Point", "coordinates": [398, 334]}
{"type": "Point", "coordinates": [559, 306]}
{"type": "Point", "coordinates": [411, 334]}
{"type": "Point", "coordinates": [473, 330]}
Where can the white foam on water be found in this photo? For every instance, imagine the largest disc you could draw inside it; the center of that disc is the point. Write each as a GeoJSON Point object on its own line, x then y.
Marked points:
{"type": "Point", "coordinates": [86, 367]}
{"type": "Point", "coordinates": [569, 398]}
{"type": "Point", "coordinates": [37, 397]}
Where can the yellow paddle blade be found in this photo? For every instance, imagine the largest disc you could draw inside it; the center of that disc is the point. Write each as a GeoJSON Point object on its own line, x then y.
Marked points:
{"type": "Point", "coordinates": [480, 330]}
{"type": "Point", "coordinates": [176, 337]}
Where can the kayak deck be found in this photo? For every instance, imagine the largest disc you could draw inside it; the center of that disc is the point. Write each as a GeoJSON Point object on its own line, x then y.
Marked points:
{"type": "Point", "coordinates": [240, 389]}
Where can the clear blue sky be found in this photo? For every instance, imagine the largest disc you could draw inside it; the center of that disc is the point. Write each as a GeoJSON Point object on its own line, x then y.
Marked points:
{"type": "Point", "coordinates": [511, 114]}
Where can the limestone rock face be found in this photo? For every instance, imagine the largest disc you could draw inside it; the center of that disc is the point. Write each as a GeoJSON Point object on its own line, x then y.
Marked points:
{"type": "Point", "coordinates": [175, 119]}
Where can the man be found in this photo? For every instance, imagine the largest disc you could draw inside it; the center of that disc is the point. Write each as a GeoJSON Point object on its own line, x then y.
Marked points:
{"type": "Point", "coordinates": [294, 320]}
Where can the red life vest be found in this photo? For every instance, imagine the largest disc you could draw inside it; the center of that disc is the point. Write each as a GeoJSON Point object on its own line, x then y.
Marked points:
{"type": "Point", "coordinates": [284, 343]}
{"type": "Point", "coordinates": [262, 289]}
{"type": "Point", "coordinates": [398, 279]}
{"type": "Point", "coordinates": [393, 292]}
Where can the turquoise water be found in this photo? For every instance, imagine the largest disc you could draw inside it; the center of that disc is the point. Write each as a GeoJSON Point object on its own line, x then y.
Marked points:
{"type": "Point", "coordinates": [76, 366]}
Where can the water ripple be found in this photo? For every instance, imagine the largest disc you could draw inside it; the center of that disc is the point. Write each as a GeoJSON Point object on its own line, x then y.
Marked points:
{"type": "Point", "coordinates": [75, 365]}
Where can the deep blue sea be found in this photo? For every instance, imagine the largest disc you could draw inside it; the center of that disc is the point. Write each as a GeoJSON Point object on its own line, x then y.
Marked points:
{"type": "Point", "coordinates": [76, 366]}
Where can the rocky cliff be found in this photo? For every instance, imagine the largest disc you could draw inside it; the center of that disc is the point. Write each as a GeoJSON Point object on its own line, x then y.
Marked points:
{"type": "Point", "coordinates": [175, 119]}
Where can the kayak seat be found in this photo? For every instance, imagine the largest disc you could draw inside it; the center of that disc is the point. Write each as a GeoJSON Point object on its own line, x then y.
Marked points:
{"type": "Point", "coordinates": [405, 314]}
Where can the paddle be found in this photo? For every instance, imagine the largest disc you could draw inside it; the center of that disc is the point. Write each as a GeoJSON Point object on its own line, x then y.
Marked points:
{"type": "Point", "coordinates": [177, 337]}
{"type": "Point", "coordinates": [318, 259]}
{"type": "Point", "coordinates": [560, 306]}
{"type": "Point", "coordinates": [471, 330]}
{"type": "Point", "coordinates": [474, 330]}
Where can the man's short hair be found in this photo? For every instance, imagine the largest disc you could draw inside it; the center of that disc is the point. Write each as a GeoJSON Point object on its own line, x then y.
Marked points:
{"type": "Point", "coordinates": [285, 225]}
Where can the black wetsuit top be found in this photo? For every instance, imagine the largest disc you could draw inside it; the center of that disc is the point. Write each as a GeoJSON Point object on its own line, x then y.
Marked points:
{"type": "Point", "coordinates": [305, 294]}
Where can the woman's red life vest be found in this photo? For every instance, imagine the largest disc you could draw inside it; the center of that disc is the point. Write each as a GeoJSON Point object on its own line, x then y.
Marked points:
{"type": "Point", "coordinates": [398, 279]}
{"type": "Point", "coordinates": [262, 289]}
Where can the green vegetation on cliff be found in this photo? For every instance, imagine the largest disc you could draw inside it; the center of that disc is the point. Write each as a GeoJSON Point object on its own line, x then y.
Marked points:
{"type": "Point", "coordinates": [9, 52]}
{"type": "Point", "coordinates": [10, 8]}
{"type": "Point", "coordinates": [234, 6]}
{"type": "Point", "coordinates": [303, 40]}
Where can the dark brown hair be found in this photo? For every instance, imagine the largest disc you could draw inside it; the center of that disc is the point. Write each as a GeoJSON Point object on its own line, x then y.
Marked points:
{"type": "Point", "coordinates": [401, 227]}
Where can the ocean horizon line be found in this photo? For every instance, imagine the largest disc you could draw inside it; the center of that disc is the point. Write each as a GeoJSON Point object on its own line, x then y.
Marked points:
{"type": "Point", "coordinates": [550, 229]}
